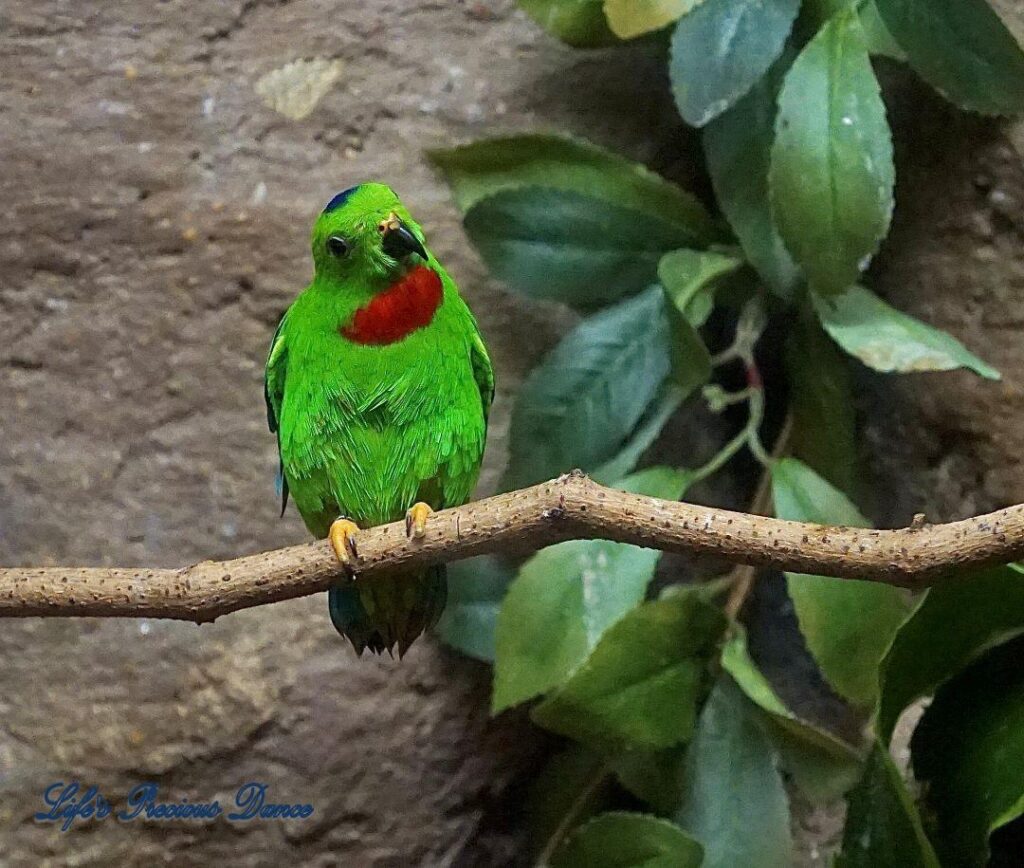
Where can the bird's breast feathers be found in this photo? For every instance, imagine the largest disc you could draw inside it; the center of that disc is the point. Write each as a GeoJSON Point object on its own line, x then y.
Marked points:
{"type": "Point", "coordinates": [407, 305]}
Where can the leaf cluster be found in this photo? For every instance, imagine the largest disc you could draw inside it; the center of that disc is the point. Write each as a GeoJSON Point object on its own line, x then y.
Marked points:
{"type": "Point", "coordinates": [658, 693]}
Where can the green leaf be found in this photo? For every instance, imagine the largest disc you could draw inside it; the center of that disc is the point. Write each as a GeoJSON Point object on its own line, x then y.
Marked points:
{"type": "Point", "coordinates": [641, 684]}
{"type": "Point", "coordinates": [667, 483]}
{"type": "Point", "coordinates": [832, 170]}
{"type": "Point", "coordinates": [883, 829]}
{"type": "Point", "coordinates": [556, 609]}
{"type": "Point", "coordinates": [569, 247]}
{"type": "Point", "coordinates": [580, 23]}
{"type": "Point", "coordinates": [800, 494]}
{"type": "Point", "coordinates": [737, 147]}
{"type": "Point", "coordinates": [734, 801]}
{"type": "Point", "coordinates": [580, 405]}
{"type": "Point", "coordinates": [654, 776]}
{"type": "Point", "coordinates": [691, 361]}
{"type": "Point", "coordinates": [476, 587]}
{"type": "Point", "coordinates": [643, 437]}
{"type": "Point", "coordinates": [961, 48]}
{"type": "Point", "coordinates": [566, 596]}
{"type": "Point", "coordinates": [880, 41]}
{"type": "Point", "coordinates": [481, 169]}
{"type": "Point", "coordinates": [619, 840]}
{"type": "Point", "coordinates": [690, 278]}
{"type": "Point", "coordinates": [721, 49]}
{"type": "Point", "coordinates": [818, 12]}
{"type": "Point", "coordinates": [956, 622]}
{"type": "Point", "coordinates": [848, 625]}
{"type": "Point", "coordinates": [823, 765]}
{"type": "Point", "coordinates": [823, 433]}
{"type": "Point", "coordinates": [969, 751]}
{"type": "Point", "coordinates": [630, 18]}
{"type": "Point", "coordinates": [890, 341]}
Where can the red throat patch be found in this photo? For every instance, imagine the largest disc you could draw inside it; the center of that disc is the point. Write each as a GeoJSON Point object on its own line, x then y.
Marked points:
{"type": "Point", "coordinates": [407, 305]}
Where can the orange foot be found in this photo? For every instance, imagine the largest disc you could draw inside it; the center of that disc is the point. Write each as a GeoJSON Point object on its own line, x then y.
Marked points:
{"type": "Point", "coordinates": [416, 520]}
{"type": "Point", "coordinates": [343, 540]}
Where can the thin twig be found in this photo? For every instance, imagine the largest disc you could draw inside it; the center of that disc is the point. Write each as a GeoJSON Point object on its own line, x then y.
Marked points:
{"type": "Point", "coordinates": [572, 815]}
{"type": "Point", "coordinates": [744, 575]}
{"type": "Point", "coordinates": [570, 507]}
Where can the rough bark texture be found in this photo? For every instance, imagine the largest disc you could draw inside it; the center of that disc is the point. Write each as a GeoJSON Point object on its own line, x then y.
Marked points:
{"type": "Point", "coordinates": [571, 507]}
{"type": "Point", "coordinates": [155, 225]}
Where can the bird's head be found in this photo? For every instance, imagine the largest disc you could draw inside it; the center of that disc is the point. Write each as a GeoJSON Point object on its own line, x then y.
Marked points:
{"type": "Point", "coordinates": [366, 231]}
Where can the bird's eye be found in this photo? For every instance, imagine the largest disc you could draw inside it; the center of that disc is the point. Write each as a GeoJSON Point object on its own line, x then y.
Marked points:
{"type": "Point", "coordinates": [338, 246]}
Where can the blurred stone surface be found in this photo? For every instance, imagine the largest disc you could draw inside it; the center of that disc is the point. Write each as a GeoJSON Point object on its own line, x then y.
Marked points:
{"type": "Point", "coordinates": [950, 444]}
{"type": "Point", "coordinates": [154, 225]}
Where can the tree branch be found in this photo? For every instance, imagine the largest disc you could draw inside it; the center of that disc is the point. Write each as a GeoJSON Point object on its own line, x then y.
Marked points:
{"type": "Point", "coordinates": [571, 507]}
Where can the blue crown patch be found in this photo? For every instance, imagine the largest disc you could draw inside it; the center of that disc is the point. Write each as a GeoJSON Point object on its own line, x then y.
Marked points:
{"type": "Point", "coordinates": [340, 199]}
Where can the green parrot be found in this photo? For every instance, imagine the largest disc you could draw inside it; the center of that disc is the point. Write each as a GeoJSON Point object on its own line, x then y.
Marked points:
{"type": "Point", "coordinates": [378, 386]}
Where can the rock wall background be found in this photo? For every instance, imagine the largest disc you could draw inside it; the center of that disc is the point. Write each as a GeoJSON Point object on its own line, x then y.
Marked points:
{"type": "Point", "coordinates": [154, 225]}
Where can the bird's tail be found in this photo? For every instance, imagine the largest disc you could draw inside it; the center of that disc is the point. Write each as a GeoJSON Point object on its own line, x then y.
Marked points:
{"type": "Point", "coordinates": [389, 610]}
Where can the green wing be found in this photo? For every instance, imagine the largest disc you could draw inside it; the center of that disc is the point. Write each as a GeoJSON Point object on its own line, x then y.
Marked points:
{"type": "Point", "coordinates": [483, 373]}
{"type": "Point", "coordinates": [273, 392]}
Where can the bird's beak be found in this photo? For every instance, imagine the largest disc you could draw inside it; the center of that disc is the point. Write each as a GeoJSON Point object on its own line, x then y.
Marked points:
{"type": "Point", "coordinates": [399, 242]}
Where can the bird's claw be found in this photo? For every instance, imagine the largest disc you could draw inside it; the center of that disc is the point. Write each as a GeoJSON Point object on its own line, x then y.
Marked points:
{"type": "Point", "coordinates": [343, 540]}
{"type": "Point", "coordinates": [416, 520]}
